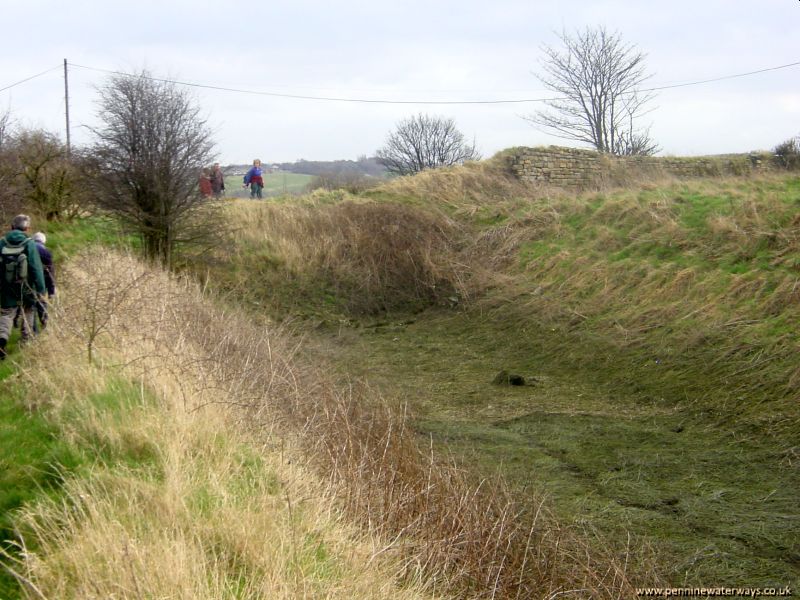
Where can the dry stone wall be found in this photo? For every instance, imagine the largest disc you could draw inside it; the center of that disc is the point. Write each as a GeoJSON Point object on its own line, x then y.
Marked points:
{"type": "Point", "coordinates": [573, 167]}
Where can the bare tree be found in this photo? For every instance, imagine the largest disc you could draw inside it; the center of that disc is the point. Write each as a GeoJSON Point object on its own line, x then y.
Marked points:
{"type": "Point", "coordinates": [598, 80]}
{"type": "Point", "coordinates": [424, 142]}
{"type": "Point", "coordinates": [145, 164]}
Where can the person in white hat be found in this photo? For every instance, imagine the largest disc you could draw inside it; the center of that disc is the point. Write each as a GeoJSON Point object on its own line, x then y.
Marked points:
{"type": "Point", "coordinates": [49, 278]}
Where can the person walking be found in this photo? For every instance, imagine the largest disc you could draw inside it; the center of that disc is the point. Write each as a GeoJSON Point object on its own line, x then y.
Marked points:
{"type": "Point", "coordinates": [255, 179]}
{"type": "Point", "coordinates": [49, 277]}
{"type": "Point", "coordinates": [21, 280]}
{"type": "Point", "coordinates": [217, 181]}
{"type": "Point", "coordinates": [205, 183]}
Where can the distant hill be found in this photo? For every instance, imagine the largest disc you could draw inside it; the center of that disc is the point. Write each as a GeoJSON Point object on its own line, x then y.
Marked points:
{"type": "Point", "coordinates": [362, 166]}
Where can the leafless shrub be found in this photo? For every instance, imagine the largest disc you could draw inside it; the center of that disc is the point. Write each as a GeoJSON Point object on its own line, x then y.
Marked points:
{"type": "Point", "coordinates": [103, 298]}
{"type": "Point", "coordinates": [787, 153]}
{"type": "Point", "coordinates": [47, 175]}
{"type": "Point", "coordinates": [36, 174]}
{"type": "Point", "coordinates": [425, 142]}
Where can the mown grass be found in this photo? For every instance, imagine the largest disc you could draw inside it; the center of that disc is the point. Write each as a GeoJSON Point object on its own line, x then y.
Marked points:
{"type": "Point", "coordinates": [714, 505]}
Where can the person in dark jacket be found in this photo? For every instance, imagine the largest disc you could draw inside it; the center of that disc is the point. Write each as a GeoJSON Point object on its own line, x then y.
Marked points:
{"type": "Point", "coordinates": [49, 276]}
{"type": "Point", "coordinates": [14, 293]}
{"type": "Point", "coordinates": [217, 181]}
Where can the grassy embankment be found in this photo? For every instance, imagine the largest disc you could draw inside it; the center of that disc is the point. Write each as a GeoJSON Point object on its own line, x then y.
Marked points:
{"type": "Point", "coordinates": [34, 456]}
{"type": "Point", "coordinates": [656, 326]}
{"type": "Point", "coordinates": [131, 476]}
{"type": "Point", "coordinates": [170, 450]}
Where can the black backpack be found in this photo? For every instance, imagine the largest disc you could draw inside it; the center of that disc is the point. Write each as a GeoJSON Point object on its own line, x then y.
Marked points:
{"type": "Point", "coordinates": [15, 268]}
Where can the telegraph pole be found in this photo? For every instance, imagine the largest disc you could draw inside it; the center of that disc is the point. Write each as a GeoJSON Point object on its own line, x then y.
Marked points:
{"type": "Point", "coordinates": [66, 104]}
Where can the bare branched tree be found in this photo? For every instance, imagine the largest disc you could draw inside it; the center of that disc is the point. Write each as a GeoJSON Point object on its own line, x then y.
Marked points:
{"type": "Point", "coordinates": [144, 166]}
{"type": "Point", "coordinates": [424, 142]}
{"type": "Point", "coordinates": [598, 79]}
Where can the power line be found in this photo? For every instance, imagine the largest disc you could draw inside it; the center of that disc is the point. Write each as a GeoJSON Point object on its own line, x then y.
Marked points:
{"type": "Point", "coordinates": [427, 102]}
{"type": "Point", "coordinates": [388, 101]}
{"type": "Point", "coordinates": [677, 85]}
{"type": "Point", "coordinates": [8, 87]}
{"type": "Point", "coordinates": [303, 97]}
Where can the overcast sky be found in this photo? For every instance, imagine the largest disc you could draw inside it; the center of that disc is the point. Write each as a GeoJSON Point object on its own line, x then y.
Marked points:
{"type": "Point", "coordinates": [402, 51]}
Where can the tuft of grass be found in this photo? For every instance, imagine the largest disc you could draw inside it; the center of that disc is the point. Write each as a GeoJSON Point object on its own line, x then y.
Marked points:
{"type": "Point", "coordinates": [33, 462]}
{"type": "Point", "coordinates": [366, 258]}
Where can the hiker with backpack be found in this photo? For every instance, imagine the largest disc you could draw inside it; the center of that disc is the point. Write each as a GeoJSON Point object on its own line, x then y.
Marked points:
{"type": "Point", "coordinates": [21, 280]}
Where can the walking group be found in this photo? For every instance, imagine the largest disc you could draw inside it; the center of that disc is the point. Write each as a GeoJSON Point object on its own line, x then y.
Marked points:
{"type": "Point", "coordinates": [212, 181]}
{"type": "Point", "coordinates": [27, 280]}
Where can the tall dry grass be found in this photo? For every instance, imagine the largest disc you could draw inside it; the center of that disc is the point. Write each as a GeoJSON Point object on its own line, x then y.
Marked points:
{"type": "Point", "coordinates": [182, 500]}
{"type": "Point", "coordinates": [372, 257]}
{"type": "Point", "coordinates": [222, 406]}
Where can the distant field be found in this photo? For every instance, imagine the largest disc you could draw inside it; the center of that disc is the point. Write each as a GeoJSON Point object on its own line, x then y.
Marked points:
{"type": "Point", "coordinates": [275, 184]}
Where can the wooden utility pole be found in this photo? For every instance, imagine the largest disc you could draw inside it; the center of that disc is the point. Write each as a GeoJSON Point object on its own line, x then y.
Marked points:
{"type": "Point", "coordinates": [66, 104]}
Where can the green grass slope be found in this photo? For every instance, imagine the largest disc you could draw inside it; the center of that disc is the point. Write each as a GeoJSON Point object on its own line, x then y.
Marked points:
{"type": "Point", "coordinates": [656, 327]}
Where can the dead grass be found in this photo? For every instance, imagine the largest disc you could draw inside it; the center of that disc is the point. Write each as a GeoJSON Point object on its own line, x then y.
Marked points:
{"type": "Point", "coordinates": [185, 503]}
{"type": "Point", "coordinates": [182, 501]}
{"type": "Point", "coordinates": [370, 257]}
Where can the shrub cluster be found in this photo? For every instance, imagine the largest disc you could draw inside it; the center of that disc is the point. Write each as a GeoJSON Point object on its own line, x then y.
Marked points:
{"type": "Point", "coordinates": [787, 153]}
{"type": "Point", "coordinates": [36, 176]}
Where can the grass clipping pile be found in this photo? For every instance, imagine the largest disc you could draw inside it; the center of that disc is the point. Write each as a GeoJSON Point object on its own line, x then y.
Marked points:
{"type": "Point", "coordinates": [224, 468]}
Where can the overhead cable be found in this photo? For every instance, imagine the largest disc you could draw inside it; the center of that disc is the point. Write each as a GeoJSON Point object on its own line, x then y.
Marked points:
{"type": "Point", "coordinates": [387, 101]}
{"type": "Point", "coordinates": [429, 102]}
{"type": "Point", "coordinates": [8, 87]}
